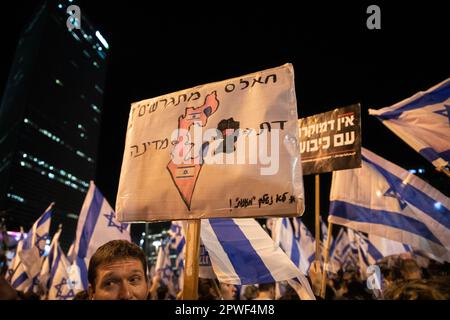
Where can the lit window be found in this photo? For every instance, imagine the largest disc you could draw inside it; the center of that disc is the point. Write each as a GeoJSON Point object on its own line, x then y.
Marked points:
{"type": "Point", "coordinates": [95, 108]}
{"type": "Point", "coordinates": [102, 40]}
{"type": "Point", "coordinates": [15, 197]}
{"type": "Point", "coordinates": [55, 138]}
{"type": "Point", "coordinates": [99, 89]}
{"type": "Point", "coordinates": [75, 36]}
{"type": "Point", "coordinates": [72, 216]}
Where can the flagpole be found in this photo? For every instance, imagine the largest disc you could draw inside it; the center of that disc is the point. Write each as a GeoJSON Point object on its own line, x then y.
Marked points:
{"type": "Point", "coordinates": [190, 287]}
{"type": "Point", "coordinates": [325, 264]}
{"type": "Point", "coordinates": [317, 214]}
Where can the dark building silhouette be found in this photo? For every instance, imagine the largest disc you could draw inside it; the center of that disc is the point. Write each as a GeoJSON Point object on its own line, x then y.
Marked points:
{"type": "Point", "coordinates": [50, 119]}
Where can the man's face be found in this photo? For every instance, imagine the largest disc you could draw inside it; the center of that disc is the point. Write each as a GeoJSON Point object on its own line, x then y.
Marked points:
{"type": "Point", "coordinates": [228, 291]}
{"type": "Point", "coordinates": [120, 280]}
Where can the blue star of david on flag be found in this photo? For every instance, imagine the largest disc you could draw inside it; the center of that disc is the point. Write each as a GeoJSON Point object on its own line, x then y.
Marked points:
{"type": "Point", "coordinates": [38, 245]}
{"type": "Point", "coordinates": [59, 288]}
{"type": "Point", "coordinates": [121, 226]}
{"type": "Point", "coordinates": [445, 112]}
{"type": "Point", "coordinates": [393, 193]}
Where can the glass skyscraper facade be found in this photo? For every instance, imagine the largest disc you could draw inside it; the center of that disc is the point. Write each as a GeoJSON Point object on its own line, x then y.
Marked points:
{"type": "Point", "coordinates": [50, 118]}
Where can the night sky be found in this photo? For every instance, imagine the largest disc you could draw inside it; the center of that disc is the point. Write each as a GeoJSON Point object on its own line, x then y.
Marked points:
{"type": "Point", "coordinates": [158, 49]}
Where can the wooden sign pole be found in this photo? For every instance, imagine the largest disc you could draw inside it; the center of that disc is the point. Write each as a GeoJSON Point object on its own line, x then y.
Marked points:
{"type": "Point", "coordinates": [317, 214]}
{"type": "Point", "coordinates": [325, 264]}
{"type": "Point", "coordinates": [190, 287]}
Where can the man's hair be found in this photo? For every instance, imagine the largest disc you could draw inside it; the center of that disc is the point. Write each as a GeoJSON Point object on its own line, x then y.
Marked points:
{"type": "Point", "coordinates": [409, 267]}
{"type": "Point", "coordinates": [112, 251]}
{"type": "Point", "coordinates": [266, 286]}
{"type": "Point", "coordinates": [416, 290]}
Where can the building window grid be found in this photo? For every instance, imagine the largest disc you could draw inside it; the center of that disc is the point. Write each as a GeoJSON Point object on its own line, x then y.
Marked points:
{"type": "Point", "coordinates": [53, 173]}
{"type": "Point", "coordinates": [51, 136]}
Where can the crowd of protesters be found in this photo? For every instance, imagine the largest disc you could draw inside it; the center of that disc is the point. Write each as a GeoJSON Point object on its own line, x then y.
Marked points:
{"type": "Point", "coordinates": [118, 270]}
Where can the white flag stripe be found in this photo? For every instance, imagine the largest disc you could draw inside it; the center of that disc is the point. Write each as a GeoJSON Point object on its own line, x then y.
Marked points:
{"type": "Point", "coordinates": [220, 263]}
{"type": "Point", "coordinates": [422, 121]}
{"type": "Point", "coordinates": [390, 202]}
{"type": "Point", "coordinates": [97, 225]}
{"type": "Point", "coordinates": [242, 252]}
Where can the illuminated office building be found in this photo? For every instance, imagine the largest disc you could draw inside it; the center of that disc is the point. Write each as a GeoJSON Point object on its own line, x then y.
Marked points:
{"type": "Point", "coordinates": [50, 119]}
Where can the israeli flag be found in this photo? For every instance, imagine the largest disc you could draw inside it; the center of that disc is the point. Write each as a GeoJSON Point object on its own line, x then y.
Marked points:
{"type": "Point", "coordinates": [339, 245]}
{"type": "Point", "coordinates": [205, 269]}
{"type": "Point", "coordinates": [242, 252]}
{"type": "Point", "coordinates": [178, 242]}
{"type": "Point", "coordinates": [297, 242]}
{"type": "Point", "coordinates": [351, 253]}
{"type": "Point", "coordinates": [383, 199]}
{"type": "Point", "coordinates": [16, 274]}
{"type": "Point", "coordinates": [49, 262]}
{"type": "Point", "coordinates": [387, 247]}
{"type": "Point", "coordinates": [32, 253]}
{"type": "Point", "coordinates": [97, 225]}
{"type": "Point", "coordinates": [364, 256]}
{"type": "Point", "coordinates": [61, 283]}
{"type": "Point", "coordinates": [164, 264]}
{"type": "Point", "coordinates": [423, 122]}
{"type": "Point", "coordinates": [15, 259]}
{"type": "Point", "coordinates": [324, 231]}
{"type": "Point", "coordinates": [339, 250]}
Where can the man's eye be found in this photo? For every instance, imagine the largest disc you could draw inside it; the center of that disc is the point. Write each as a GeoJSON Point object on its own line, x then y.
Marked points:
{"type": "Point", "coordinates": [135, 279]}
{"type": "Point", "coordinates": [109, 283]}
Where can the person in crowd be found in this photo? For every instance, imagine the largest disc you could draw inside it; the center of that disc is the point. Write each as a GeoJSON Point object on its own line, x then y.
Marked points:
{"type": "Point", "coordinates": [227, 291]}
{"type": "Point", "coordinates": [118, 271]}
{"type": "Point", "coordinates": [417, 289]}
{"type": "Point", "coordinates": [410, 270]}
{"type": "Point", "coordinates": [250, 292]}
{"type": "Point", "coordinates": [206, 290]}
{"type": "Point", "coordinates": [6, 291]}
{"type": "Point", "coordinates": [266, 291]}
{"type": "Point", "coordinates": [290, 294]}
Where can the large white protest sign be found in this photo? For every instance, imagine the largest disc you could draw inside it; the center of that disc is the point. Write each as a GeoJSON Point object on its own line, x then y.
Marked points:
{"type": "Point", "coordinates": [223, 149]}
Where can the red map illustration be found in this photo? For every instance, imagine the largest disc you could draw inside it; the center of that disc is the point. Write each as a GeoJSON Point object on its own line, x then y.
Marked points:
{"type": "Point", "coordinates": [185, 175]}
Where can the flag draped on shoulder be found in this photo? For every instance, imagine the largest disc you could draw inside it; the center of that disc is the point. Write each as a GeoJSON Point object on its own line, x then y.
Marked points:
{"type": "Point", "coordinates": [97, 225]}
{"type": "Point", "coordinates": [423, 122]}
{"type": "Point", "coordinates": [383, 199]}
{"type": "Point", "coordinates": [242, 252]}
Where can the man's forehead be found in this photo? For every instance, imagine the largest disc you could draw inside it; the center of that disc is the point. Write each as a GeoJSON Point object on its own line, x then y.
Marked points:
{"type": "Point", "coordinates": [129, 264]}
